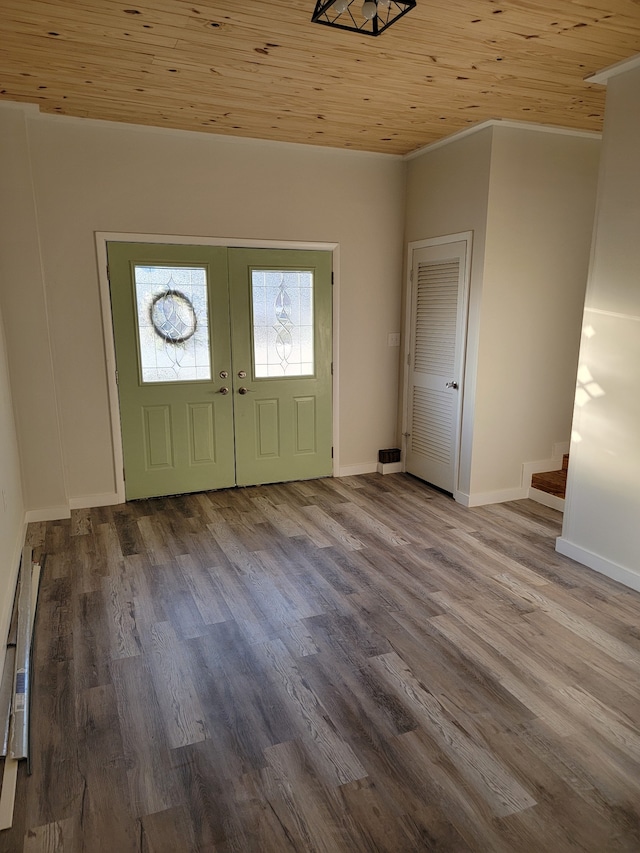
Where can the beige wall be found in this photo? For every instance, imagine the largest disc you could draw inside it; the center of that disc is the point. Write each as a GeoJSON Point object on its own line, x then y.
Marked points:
{"type": "Point", "coordinates": [11, 504]}
{"type": "Point", "coordinates": [24, 307]}
{"type": "Point", "coordinates": [95, 176]}
{"type": "Point", "coordinates": [602, 513]}
{"type": "Point", "coordinates": [540, 220]}
{"type": "Point", "coordinates": [528, 195]}
{"type": "Point", "coordinates": [447, 193]}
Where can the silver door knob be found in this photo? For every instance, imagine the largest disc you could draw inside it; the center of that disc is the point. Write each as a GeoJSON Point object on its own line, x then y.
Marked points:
{"type": "Point", "coordinates": [223, 374]}
{"type": "Point", "coordinates": [244, 390]}
{"type": "Point", "coordinates": [453, 385]}
{"type": "Point", "coordinates": [223, 391]}
{"type": "Point", "coordinates": [242, 374]}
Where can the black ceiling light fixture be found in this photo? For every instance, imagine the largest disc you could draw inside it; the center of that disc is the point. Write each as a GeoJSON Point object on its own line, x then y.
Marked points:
{"type": "Point", "coordinates": [370, 17]}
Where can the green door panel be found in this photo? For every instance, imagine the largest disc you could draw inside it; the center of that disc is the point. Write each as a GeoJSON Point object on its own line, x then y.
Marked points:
{"type": "Point", "coordinates": [177, 436]}
{"type": "Point", "coordinates": [222, 424]}
{"type": "Point", "coordinates": [283, 424]}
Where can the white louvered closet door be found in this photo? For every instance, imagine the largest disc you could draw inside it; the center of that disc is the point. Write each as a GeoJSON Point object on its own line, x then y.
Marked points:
{"type": "Point", "coordinates": [435, 362]}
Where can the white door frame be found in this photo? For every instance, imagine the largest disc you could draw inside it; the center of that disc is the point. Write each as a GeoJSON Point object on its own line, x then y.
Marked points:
{"type": "Point", "coordinates": [104, 237]}
{"type": "Point", "coordinates": [461, 237]}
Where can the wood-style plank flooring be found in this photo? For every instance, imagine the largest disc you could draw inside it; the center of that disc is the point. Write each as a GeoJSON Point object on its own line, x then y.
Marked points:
{"type": "Point", "coordinates": [336, 665]}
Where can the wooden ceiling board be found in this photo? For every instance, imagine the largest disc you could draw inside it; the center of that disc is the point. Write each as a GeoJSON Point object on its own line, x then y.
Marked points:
{"type": "Point", "coordinates": [263, 70]}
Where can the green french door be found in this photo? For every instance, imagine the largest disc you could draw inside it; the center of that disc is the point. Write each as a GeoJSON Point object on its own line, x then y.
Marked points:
{"type": "Point", "coordinates": [224, 365]}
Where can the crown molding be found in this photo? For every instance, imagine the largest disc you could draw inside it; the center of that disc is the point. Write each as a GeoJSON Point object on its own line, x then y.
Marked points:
{"type": "Point", "coordinates": [500, 122]}
{"type": "Point", "coordinates": [33, 111]}
{"type": "Point", "coordinates": [606, 74]}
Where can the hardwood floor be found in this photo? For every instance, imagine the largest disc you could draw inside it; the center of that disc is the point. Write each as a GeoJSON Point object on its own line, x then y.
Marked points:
{"type": "Point", "coordinates": [334, 665]}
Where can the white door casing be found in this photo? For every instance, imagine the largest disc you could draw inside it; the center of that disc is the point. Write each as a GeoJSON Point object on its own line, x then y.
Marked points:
{"type": "Point", "coordinates": [437, 307]}
{"type": "Point", "coordinates": [102, 239]}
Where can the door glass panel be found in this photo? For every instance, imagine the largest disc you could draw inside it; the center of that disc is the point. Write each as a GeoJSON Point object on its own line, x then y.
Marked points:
{"type": "Point", "coordinates": [282, 307]}
{"type": "Point", "coordinates": [173, 323]}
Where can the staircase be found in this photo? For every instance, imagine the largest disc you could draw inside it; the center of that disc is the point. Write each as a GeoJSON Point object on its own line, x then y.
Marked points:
{"type": "Point", "coordinates": [549, 487]}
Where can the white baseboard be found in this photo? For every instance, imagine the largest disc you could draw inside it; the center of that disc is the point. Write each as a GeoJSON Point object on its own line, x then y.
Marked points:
{"type": "Point", "coordinates": [498, 497]}
{"type": "Point", "coordinates": [546, 499]}
{"type": "Point", "coordinates": [10, 776]}
{"type": "Point", "coordinates": [353, 470]}
{"type": "Point", "coordinates": [389, 467]}
{"type": "Point", "coordinates": [9, 587]}
{"type": "Point", "coordinates": [8, 796]}
{"type": "Point", "coordinates": [103, 499]}
{"type": "Point", "coordinates": [553, 464]}
{"type": "Point", "coordinates": [625, 576]}
{"type": "Point", "coordinates": [55, 513]}
{"type": "Point", "coordinates": [48, 513]}
{"type": "Point", "coordinates": [523, 490]}
{"type": "Point", "coordinates": [540, 467]}
{"type": "Point", "coordinates": [531, 468]}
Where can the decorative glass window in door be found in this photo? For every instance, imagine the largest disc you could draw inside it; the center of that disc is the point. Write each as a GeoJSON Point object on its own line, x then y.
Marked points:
{"type": "Point", "coordinates": [282, 303]}
{"type": "Point", "coordinates": [173, 323]}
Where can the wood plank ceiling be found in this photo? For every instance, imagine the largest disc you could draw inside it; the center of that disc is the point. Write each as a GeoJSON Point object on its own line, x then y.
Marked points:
{"type": "Point", "coordinates": [261, 69]}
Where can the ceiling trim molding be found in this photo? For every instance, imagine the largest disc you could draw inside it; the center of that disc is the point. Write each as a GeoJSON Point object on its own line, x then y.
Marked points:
{"type": "Point", "coordinates": [33, 111]}
{"type": "Point", "coordinates": [606, 74]}
{"type": "Point", "coordinates": [500, 122]}
{"type": "Point", "coordinates": [22, 106]}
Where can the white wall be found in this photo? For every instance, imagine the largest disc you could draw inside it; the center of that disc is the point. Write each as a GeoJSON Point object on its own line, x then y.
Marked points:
{"type": "Point", "coordinates": [602, 512]}
{"type": "Point", "coordinates": [96, 176]}
{"type": "Point", "coordinates": [539, 225]}
{"type": "Point", "coordinates": [11, 504]}
{"type": "Point", "coordinates": [447, 192]}
{"type": "Point", "coordinates": [24, 307]}
{"type": "Point", "coordinates": [528, 195]}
